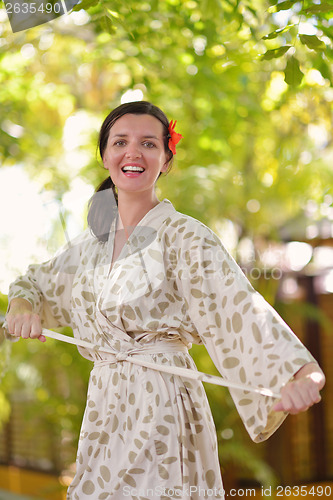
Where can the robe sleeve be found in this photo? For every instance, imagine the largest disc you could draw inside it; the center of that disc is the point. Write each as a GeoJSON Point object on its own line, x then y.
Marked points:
{"type": "Point", "coordinates": [247, 340]}
{"type": "Point", "coordinates": [48, 286]}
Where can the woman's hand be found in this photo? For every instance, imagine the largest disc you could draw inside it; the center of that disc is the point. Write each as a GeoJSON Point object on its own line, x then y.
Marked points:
{"type": "Point", "coordinates": [22, 321]}
{"type": "Point", "coordinates": [302, 392]}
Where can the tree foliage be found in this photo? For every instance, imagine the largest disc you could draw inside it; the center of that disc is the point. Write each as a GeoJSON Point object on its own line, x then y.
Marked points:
{"type": "Point", "coordinates": [248, 135]}
{"type": "Point", "coordinates": [250, 19]}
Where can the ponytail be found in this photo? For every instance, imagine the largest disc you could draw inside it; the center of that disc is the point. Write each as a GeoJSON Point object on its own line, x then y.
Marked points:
{"type": "Point", "coordinates": [102, 209]}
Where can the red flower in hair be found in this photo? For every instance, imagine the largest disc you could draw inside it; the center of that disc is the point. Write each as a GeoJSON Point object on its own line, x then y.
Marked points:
{"type": "Point", "coordinates": [174, 137]}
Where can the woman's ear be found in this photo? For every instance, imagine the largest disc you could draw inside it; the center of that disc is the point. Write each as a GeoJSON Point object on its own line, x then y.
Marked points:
{"type": "Point", "coordinates": [167, 163]}
{"type": "Point", "coordinates": [104, 163]}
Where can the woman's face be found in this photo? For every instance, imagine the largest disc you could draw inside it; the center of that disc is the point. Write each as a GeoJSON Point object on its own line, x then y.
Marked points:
{"type": "Point", "coordinates": [135, 154]}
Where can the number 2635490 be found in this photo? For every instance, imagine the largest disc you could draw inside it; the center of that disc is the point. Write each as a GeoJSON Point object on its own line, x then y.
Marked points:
{"type": "Point", "coordinates": [33, 8]}
{"type": "Point", "coordinates": [302, 491]}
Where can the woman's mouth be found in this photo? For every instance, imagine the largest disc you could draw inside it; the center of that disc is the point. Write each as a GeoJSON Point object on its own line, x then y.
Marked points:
{"type": "Point", "coordinates": [132, 170]}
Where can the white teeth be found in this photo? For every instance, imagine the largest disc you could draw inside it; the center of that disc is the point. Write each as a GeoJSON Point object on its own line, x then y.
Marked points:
{"type": "Point", "coordinates": [131, 168]}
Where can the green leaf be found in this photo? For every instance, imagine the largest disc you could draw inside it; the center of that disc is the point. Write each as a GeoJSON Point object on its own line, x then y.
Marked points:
{"type": "Point", "coordinates": [282, 6]}
{"type": "Point", "coordinates": [112, 14]}
{"type": "Point", "coordinates": [293, 75]}
{"type": "Point", "coordinates": [85, 4]}
{"type": "Point", "coordinates": [276, 33]}
{"type": "Point", "coordinates": [322, 7]}
{"type": "Point", "coordinates": [107, 24]}
{"type": "Point", "coordinates": [312, 42]}
{"type": "Point", "coordinates": [325, 70]}
{"type": "Point", "coordinates": [274, 53]}
{"type": "Point", "coordinates": [327, 31]}
{"type": "Point", "coordinates": [323, 66]}
{"type": "Point", "coordinates": [115, 18]}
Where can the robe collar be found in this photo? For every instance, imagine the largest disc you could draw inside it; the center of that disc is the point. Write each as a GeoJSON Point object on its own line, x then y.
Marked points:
{"type": "Point", "coordinates": [153, 219]}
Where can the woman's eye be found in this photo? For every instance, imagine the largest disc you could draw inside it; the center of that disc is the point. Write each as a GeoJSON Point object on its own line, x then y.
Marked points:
{"type": "Point", "coordinates": [149, 144]}
{"type": "Point", "coordinates": [119, 143]}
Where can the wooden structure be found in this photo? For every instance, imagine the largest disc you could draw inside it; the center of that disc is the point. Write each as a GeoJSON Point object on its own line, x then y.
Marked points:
{"type": "Point", "coordinates": [302, 449]}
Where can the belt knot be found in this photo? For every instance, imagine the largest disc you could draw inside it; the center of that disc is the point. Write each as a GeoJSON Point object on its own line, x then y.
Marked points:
{"type": "Point", "coordinates": [121, 356]}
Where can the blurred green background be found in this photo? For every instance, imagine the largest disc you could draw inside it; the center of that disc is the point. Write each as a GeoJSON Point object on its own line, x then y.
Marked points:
{"type": "Point", "coordinates": [250, 84]}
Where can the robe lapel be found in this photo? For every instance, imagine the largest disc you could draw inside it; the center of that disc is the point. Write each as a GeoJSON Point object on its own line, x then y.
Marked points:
{"type": "Point", "coordinates": [138, 269]}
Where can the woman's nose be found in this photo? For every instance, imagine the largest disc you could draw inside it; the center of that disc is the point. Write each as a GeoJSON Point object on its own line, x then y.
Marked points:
{"type": "Point", "coordinates": [132, 151]}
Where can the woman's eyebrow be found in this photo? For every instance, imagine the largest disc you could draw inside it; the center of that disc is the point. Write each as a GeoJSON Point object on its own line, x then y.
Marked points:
{"type": "Point", "coordinates": [143, 137]}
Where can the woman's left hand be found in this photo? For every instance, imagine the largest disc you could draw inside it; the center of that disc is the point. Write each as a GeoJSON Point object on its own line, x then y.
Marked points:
{"type": "Point", "coordinates": [303, 391]}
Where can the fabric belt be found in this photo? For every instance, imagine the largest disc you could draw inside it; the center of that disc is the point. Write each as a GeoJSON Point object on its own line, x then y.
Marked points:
{"type": "Point", "coordinates": [133, 356]}
{"type": "Point", "coordinates": [161, 348]}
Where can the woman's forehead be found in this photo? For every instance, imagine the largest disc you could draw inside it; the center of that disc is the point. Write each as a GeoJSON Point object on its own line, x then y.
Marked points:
{"type": "Point", "coordinates": [143, 125]}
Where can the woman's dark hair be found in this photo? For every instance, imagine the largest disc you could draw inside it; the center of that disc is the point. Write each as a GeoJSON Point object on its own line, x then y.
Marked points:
{"type": "Point", "coordinates": [102, 207]}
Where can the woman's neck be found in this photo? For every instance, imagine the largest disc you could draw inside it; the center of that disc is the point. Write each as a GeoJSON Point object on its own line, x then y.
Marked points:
{"type": "Point", "coordinates": [131, 209]}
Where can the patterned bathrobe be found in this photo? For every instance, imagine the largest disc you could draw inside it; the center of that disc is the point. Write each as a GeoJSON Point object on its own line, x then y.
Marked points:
{"type": "Point", "coordinates": [146, 434]}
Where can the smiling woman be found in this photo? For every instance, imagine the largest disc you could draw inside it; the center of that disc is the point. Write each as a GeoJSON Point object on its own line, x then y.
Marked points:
{"type": "Point", "coordinates": [149, 283]}
{"type": "Point", "coordinates": [134, 136]}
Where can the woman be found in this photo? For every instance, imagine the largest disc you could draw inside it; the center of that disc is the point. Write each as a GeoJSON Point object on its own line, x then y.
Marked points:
{"type": "Point", "coordinates": [147, 284]}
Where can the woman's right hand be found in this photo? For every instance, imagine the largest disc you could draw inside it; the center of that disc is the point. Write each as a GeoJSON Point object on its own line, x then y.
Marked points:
{"type": "Point", "coordinates": [22, 321]}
